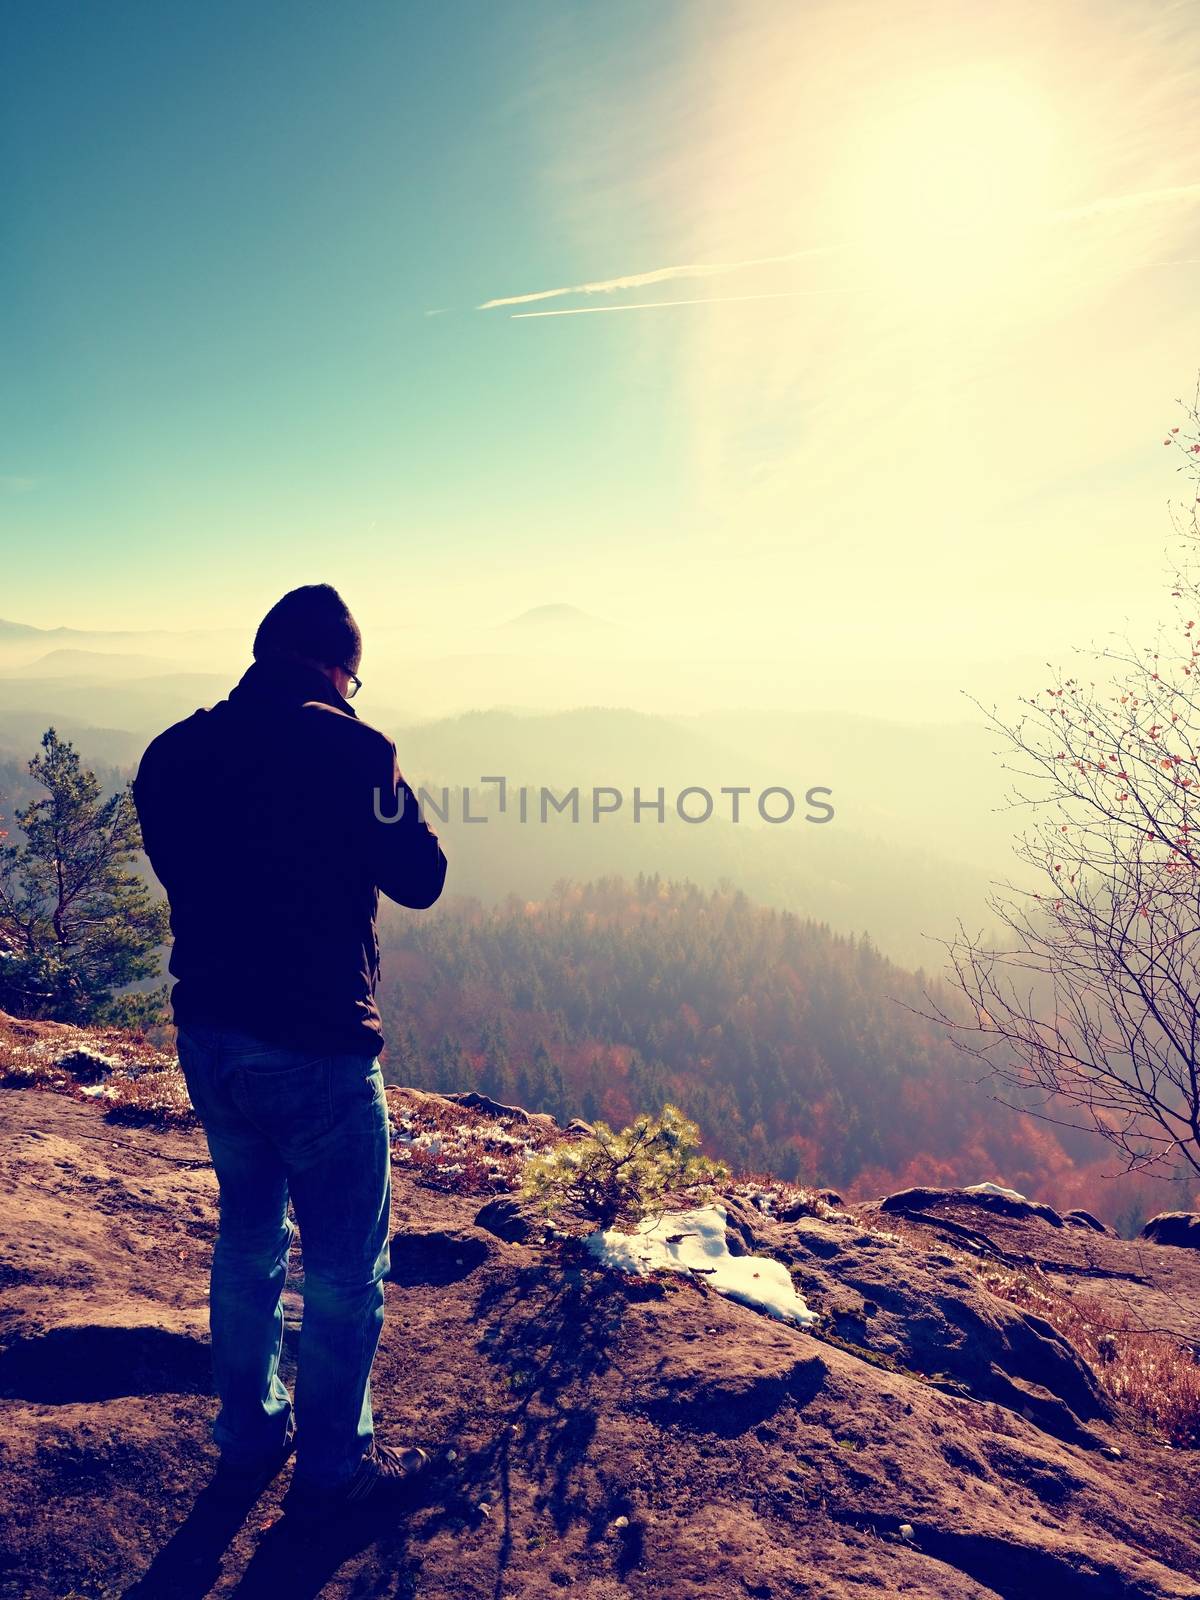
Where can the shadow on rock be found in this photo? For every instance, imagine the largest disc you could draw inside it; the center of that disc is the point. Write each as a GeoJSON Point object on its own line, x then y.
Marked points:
{"type": "Point", "coordinates": [550, 1333]}
{"type": "Point", "coordinates": [296, 1561]}
{"type": "Point", "coordinates": [74, 1365]}
{"type": "Point", "coordinates": [729, 1403]}
{"type": "Point", "coordinates": [189, 1563]}
{"type": "Point", "coordinates": [435, 1259]}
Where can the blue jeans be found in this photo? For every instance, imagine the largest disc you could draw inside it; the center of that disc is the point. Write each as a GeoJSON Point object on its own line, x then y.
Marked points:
{"type": "Point", "coordinates": [279, 1123]}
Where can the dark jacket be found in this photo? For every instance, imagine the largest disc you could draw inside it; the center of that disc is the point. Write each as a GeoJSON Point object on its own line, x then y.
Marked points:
{"type": "Point", "coordinates": [259, 818]}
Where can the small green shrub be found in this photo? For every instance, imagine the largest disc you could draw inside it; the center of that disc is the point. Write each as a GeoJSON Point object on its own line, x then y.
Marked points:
{"type": "Point", "coordinates": [617, 1179]}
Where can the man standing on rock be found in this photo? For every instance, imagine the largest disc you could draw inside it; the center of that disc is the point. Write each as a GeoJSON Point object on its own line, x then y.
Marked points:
{"type": "Point", "coordinates": [274, 821]}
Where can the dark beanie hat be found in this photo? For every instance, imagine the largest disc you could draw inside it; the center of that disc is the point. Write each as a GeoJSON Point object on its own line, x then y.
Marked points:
{"type": "Point", "coordinates": [313, 622]}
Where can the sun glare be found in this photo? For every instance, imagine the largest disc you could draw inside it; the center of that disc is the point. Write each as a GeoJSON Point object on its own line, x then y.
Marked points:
{"type": "Point", "coordinates": [950, 185]}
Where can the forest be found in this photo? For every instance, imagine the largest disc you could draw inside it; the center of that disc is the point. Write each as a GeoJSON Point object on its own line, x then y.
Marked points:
{"type": "Point", "coordinates": [798, 1051]}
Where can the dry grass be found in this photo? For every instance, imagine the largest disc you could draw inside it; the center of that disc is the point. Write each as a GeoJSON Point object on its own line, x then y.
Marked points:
{"type": "Point", "coordinates": [136, 1078]}
{"type": "Point", "coordinates": [450, 1147]}
{"type": "Point", "coordinates": [781, 1196]}
{"type": "Point", "coordinates": [1153, 1377]}
{"type": "Point", "coordinates": [22, 1071]}
{"type": "Point", "coordinates": [156, 1098]}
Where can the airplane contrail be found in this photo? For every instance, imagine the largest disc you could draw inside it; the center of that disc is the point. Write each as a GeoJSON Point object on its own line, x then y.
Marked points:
{"type": "Point", "coordinates": [1128, 202]}
{"type": "Point", "coordinates": [638, 280]}
{"type": "Point", "coordinates": [1185, 193]}
{"type": "Point", "coordinates": [654, 305]}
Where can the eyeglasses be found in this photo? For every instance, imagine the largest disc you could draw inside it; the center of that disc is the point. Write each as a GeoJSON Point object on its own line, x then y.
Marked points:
{"type": "Point", "coordinates": [355, 683]}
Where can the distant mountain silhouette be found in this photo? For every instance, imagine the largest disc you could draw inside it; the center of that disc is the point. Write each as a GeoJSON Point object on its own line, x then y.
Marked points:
{"type": "Point", "coordinates": [94, 665]}
{"type": "Point", "coordinates": [25, 648]}
{"type": "Point", "coordinates": [915, 842]}
{"type": "Point", "coordinates": [25, 630]}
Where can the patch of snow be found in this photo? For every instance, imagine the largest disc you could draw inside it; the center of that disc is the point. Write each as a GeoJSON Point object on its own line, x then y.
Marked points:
{"type": "Point", "coordinates": [104, 1089]}
{"type": "Point", "coordinates": [91, 1057]}
{"type": "Point", "coordinates": [499, 1136]}
{"type": "Point", "coordinates": [428, 1141]}
{"type": "Point", "coordinates": [761, 1199]}
{"type": "Point", "coordinates": [693, 1242]}
{"type": "Point", "coordinates": [993, 1188]}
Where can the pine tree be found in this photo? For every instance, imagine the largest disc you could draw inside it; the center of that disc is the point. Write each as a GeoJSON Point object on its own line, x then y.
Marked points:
{"type": "Point", "coordinates": [617, 1179]}
{"type": "Point", "coordinates": [77, 925]}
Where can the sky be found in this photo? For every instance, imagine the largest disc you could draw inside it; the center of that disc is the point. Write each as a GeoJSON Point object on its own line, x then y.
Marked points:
{"type": "Point", "coordinates": [844, 332]}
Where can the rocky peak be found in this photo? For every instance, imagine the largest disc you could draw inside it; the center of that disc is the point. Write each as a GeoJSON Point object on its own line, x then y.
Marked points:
{"type": "Point", "coordinates": [950, 1425]}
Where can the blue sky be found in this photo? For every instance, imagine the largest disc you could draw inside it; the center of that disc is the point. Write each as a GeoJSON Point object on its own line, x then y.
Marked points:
{"type": "Point", "coordinates": [229, 225]}
{"type": "Point", "coordinates": [945, 267]}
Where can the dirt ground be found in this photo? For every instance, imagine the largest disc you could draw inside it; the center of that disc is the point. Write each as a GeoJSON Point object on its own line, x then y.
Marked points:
{"type": "Point", "coordinates": [614, 1436]}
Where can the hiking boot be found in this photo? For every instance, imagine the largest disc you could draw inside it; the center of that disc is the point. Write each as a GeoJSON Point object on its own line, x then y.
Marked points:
{"type": "Point", "coordinates": [386, 1471]}
{"type": "Point", "coordinates": [385, 1467]}
{"type": "Point", "coordinates": [236, 1481]}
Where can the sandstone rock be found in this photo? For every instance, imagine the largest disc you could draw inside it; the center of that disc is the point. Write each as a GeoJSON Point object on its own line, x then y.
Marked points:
{"type": "Point", "coordinates": [700, 1388]}
{"type": "Point", "coordinates": [435, 1257]}
{"type": "Point", "coordinates": [1078, 1218]}
{"type": "Point", "coordinates": [937, 1441]}
{"type": "Point", "coordinates": [912, 1308]}
{"type": "Point", "coordinates": [472, 1100]}
{"type": "Point", "coordinates": [740, 1222]}
{"type": "Point", "coordinates": [805, 1207]}
{"type": "Point", "coordinates": [1174, 1227]}
{"type": "Point", "coordinates": [506, 1219]}
{"type": "Point", "coordinates": [86, 1066]}
{"type": "Point", "coordinates": [928, 1199]}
